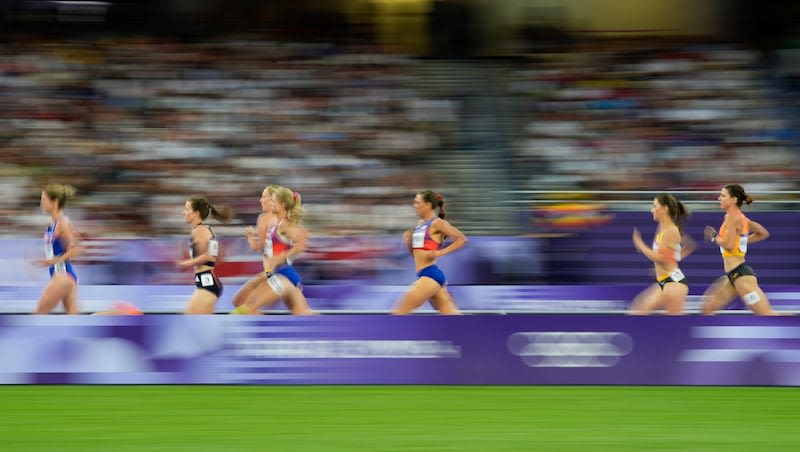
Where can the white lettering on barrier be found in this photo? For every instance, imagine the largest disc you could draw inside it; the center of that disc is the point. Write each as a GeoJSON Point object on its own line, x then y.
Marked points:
{"type": "Point", "coordinates": [281, 349]}
{"type": "Point", "coordinates": [570, 348]}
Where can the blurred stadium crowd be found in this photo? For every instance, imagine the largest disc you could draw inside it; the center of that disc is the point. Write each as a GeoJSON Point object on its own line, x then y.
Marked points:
{"type": "Point", "coordinates": [137, 124]}
{"type": "Point", "coordinates": [634, 117]}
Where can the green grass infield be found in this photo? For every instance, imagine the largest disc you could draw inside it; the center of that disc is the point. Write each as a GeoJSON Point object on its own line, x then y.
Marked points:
{"type": "Point", "coordinates": [398, 418]}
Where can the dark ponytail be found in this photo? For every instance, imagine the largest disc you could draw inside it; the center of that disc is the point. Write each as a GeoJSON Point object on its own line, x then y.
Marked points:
{"type": "Point", "coordinates": [204, 208]}
{"type": "Point", "coordinates": [677, 211]}
{"type": "Point", "coordinates": [738, 191]}
{"type": "Point", "coordinates": [434, 199]}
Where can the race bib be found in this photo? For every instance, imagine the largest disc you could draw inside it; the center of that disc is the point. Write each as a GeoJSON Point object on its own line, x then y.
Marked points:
{"type": "Point", "coordinates": [418, 239]}
{"type": "Point", "coordinates": [743, 243]}
{"type": "Point", "coordinates": [206, 280]}
{"type": "Point", "coordinates": [277, 285]}
{"type": "Point", "coordinates": [676, 275]}
{"type": "Point", "coordinates": [213, 248]}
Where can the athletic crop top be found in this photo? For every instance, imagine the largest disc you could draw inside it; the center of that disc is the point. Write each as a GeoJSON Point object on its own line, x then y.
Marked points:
{"type": "Point", "coordinates": [213, 247]}
{"type": "Point", "coordinates": [421, 237]}
{"type": "Point", "coordinates": [659, 248]}
{"type": "Point", "coordinates": [740, 246]}
{"type": "Point", "coordinates": [277, 244]}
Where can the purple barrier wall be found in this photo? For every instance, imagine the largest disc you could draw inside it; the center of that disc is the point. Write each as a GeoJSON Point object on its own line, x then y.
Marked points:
{"type": "Point", "coordinates": [379, 349]}
{"type": "Point", "coordinates": [604, 254]}
{"type": "Point", "coordinates": [588, 269]}
{"type": "Point", "coordinates": [601, 254]}
{"type": "Point", "coordinates": [371, 260]}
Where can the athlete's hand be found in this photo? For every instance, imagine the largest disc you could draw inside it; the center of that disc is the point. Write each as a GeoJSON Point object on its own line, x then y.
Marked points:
{"type": "Point", "coordinates": [636, 236]}
{"type": "Point", "coordinates": [407, 237]}
{"type": "Point", "coordinates": [709, 233]}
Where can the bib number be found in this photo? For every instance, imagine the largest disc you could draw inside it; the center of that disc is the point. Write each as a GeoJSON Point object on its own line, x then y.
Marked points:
{"type": "Point", "coordinates": [418, 239]}
{"type": "Point", "coordinates": [213, 248]}
{"type": "Point", "coordinates": [206, 280]}
{"type": "Point", "coordinates": [277, 285]}
{"type": "Point", "coordinates": [743, 243]}
{"type": "Point", "coordinates": [676, 275]}
{"type": "Point", "coordinates": [48, 246]}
